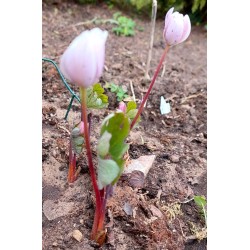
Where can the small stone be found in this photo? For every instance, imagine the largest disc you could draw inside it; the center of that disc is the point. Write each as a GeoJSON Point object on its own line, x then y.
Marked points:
{"type": "Point", "coordinates": [77, 235]}
{"type": "Point", "coordinates": [155, 211]}
{"type": "Point", "coordinates": [55, 209]}
{"type": "Point", "coordinates": [52, 122]}
{"type": "Point", "coordinates": [174, 158]}
{"type": "Point", "coordinates": [128, 209]}
{"type": "Point", "coordinates": [55, 244]}
{"type": "Point", "coordinates": [143, 164]}
{"type": "Point", "coordinates": [54, 153]}
{"type": "Point", "coordinates": [81, 221]}
{"type": "Point", "coordinates": [117, 66]}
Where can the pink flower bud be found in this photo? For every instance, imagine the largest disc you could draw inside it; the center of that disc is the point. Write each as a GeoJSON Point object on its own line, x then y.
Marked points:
{"type": "Point", "coordinates": [81, 127]}
{"type": "Point", "coordinates": [122, 107]}
{"type": "Point", "coordinates": [177, 27]}
{"type": "Point", "coordinates": [82, 62]}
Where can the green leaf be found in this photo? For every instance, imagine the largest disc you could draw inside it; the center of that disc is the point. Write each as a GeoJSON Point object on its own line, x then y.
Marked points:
{"type": "Point", "coordinates": [132, 111]}
{"type": "Point", "coordinates": [95, 97]}
{"type": "Point", "coordinates": [103, 145]}
{"type": "Point", "coordinates": [106, 85]}
{"type": "Point", "coordinates": [120, 94]}
{"type": "Point", "coordinates": [131, 105]}
{"type": "Point", "coordinates": [200, 201]}
{"type": "Point", "coordinates": [113, 87]}
{"type": "Point", "coordinates": [77, 140]}
{"type": "Point", "coordinates": [104, 98]}
{"type": "Point", "coordinates": [77, 144]}
{"type": "Point", "coordinates": [98, 88]}
{"type": "Point", "coordinates": [108, 171]}
{"type": "Point", "coordinates": [111, 147]}
{"type": "Point", "coordinates": [119, 127]}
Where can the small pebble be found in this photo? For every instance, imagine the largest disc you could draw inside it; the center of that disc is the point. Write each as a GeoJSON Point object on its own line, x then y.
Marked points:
{"type": "Point", "coordinates": [77, 235]}
{"type": "Point", "coordinates": [54, 153]}
{"type": "Point", "coordinates": [55, 244]}
{"type": "Point", "coordinates": [156, 211]}
{"type": "Point", "coordinates": [175, 158]}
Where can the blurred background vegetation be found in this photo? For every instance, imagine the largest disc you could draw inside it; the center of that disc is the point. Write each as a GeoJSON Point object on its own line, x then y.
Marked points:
{"type": "Point", "coordinates": [196, 9]}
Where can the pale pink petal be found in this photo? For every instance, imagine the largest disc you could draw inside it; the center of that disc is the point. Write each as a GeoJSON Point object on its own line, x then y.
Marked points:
{"type": "Point", "coordinates": [186, 29]}
{"type": "Point", "coordinates": [168, 17]}
{"type": "Point", "coordinates": [68, 60]}
{"type": "Point", "coordinates": [79, 61]}
{"type": "Point", "coordinates": [99, 45]}
{"type": "Point", "coordinates": [63, 68]}
{"type": "Point", "coordinates": [175, 29]}
{"type": "Point", "coordinates": [82, 62]}
{"type": "Point", "coordinates": [85, 65]}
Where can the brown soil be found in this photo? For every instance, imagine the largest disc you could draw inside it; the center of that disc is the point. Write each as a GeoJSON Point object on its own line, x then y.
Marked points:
{"type": "Point", "coordinates": [161, 219]}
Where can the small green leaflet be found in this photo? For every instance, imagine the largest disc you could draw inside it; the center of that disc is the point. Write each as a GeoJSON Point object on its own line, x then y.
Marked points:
{"type": "Point", "coordinates": [111, 148]}
{"type": "Point", "coordinates": [132, 111]}
{"type": "Point", "coordinates": [201, 202]}
{"type": "Point", "coordinates": [118, 126]}
{"type": "Point", "coordinates": [95, 97]}
{"type": "Point", "coordinates": [108, 170]}
{"type": "Point", "coordinates": [103, 145]}
{"type": "Point", "coordinates": [77, 140]}
{"type": "Point", "coordinates": [131, 105]}
{"type": "Point", "coordinates": [120, 92]}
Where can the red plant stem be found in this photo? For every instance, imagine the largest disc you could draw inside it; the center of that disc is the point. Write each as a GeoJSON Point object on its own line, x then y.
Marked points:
{"type": "Point", "coordinates": [83, 95]}
{"type": "Point", "coordinates": [72, 170]}
{"type": "Point", "coordinates": [72, 164]}
{"type": "Point", "coordinates": [150, 87]}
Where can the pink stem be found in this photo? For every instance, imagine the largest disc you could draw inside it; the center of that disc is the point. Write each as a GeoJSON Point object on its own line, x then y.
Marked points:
{"type": "Point", "coordinates": [150, 87]}
{"type": "Point", "coordinates": [90, 161]}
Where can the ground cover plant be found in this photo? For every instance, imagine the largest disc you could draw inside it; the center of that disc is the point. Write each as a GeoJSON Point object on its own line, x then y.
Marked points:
{"type": "Point", "coordinates": [119, 91]}
{"type": "Point", "coordinates": [125, 26]}
{"type": "Point", "coordinates": [111, 145]}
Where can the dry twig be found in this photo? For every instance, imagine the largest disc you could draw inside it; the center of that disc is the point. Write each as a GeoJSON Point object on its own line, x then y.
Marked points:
{"type": "Point", "coordinates": [154, 11]}
{"type": "Point", "coordinates": [132, 89]}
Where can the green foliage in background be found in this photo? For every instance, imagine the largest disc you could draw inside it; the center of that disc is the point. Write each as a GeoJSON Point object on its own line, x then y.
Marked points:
{"type": "Point", "coordinates": [196, 9]}
{"type": "Point", "coordinates": [198, 5]}
{"type": "Point", "coordinates": [120, 92]}
{"type": "Point", "coordinates": [125, 25]}
{"type": "Point", "coordinates": [140, 4]}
